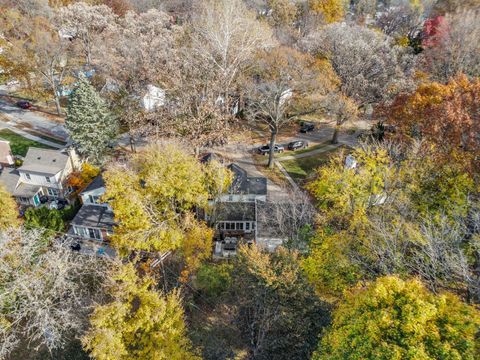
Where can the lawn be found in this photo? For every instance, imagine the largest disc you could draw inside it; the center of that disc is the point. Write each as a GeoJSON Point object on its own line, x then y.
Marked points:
{"type": "Point", "coordinates": [18, 143]}
{"type": "Point", "coordinates": [302, 151]}
{"type": "Point", "coordinates": [301, 169]}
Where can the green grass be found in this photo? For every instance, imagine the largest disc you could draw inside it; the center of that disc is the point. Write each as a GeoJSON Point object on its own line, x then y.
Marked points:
{"type": "Point", "coordinates": [301, 169]}
{"type": "Point", "coordinates": [18, 143]}
{"type": "Point", "coordinates": [302, 151]}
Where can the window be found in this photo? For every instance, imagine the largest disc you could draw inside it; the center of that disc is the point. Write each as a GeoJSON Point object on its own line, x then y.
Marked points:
{"type": "Point", "coordinates": [247, 226]}
{"type": "Point", "coordinates": [52, 192]}
{"type": "Point", "coordinates": [47, 179]}
{"type": "Point", "coordinates": [88, 232]}
{"type": "Point", "coordinates": [94, 234]}
{"type": "Point", "coordinates": [27, 176]}
{"type": "Point", "coordinates": [93, 199]}
{"type": "Point", "coordinates": [239, 226]}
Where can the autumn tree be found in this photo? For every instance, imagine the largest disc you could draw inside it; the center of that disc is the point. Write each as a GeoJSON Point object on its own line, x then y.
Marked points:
{"type": "Point", "coordinates": [396, 319]}
{"type": "Point", "coordinates": [139, 322]}
{"type": "Point", "coordinates": [453, 49]}
{"type": "Point", "coordinates": [79, 180]}
{"type": "Point", "coordinates": [378, 214]}
{"type": "Point", "coordinates": [89, 122]}
{"type": "Point", "coordinates": [85, 23]}
{"type": "Point", "coordinates": [153, 198]}
{"type": "Point", "coordinates": [36, 53]}
{"type": "Point", "coordinates": [278, 312]}
{"type": "Point", "coordinates": [446, 115]}
{"type": "Point", "coordinates": [9, 213]}
{"type": "Point", "coordinates": [285, 84]}
{"type": "Point", "coordinates": [45, 290]}
{"type": "Point", "coordinates": [331, 10]}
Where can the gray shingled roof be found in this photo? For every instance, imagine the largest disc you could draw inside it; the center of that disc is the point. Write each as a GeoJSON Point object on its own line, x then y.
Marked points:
{"type": "Point", "coordinates": [94, 216]}
{"type": "Point", "coordinates": [44, 161]}
{"type": "Point", "coordinates": [9, 179]}
{"type": "Point", "coordinates": [244, 184]}
{"type": "Point", "coordinates": [97, 183]}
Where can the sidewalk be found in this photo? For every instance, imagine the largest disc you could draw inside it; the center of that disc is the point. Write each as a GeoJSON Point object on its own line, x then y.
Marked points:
{"type": "Point", "coordinates": [4, 125]}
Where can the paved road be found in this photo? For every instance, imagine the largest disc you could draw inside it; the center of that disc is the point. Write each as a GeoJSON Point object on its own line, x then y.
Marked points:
{"type": "Point", "coordinates": [28, 119]}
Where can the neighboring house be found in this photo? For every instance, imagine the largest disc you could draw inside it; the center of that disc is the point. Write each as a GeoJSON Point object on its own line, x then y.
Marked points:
{"type": "Point", "coordinates": [43, 173]}
{"type": "Point", "coordinates": [94, 220]}
{"type": "Point", "coordinates": [153, 98]}
{"type": "Point", "coordinates": [6, 156]}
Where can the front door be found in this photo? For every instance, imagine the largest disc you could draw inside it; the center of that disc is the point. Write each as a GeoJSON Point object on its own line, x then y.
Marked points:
{"type": "Point", "coordinates": [36, 200]}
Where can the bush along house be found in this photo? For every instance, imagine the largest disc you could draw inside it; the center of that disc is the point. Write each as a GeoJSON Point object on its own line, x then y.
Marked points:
{"type": "Point", "coordinates": [94, 222]}
{"type": "Point", "coordinates": [43, 176]}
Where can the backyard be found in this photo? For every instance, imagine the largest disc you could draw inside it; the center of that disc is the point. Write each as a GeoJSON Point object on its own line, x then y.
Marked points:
{"type": "Point", "coordinates": [18, 143]}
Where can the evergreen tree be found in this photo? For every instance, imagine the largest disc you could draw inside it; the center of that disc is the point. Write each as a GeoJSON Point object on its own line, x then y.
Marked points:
{"type": "Point", "coordinates": [89, 122]}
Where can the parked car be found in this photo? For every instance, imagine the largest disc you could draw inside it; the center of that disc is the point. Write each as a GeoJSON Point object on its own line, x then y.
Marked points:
{"type": "Point", "coordinates": [307, 127]}
{"type": "Point", "coordinates": [299, 144]}
{"type": "Point", "coordinates": [23, 104]}
{"type": "Point", "coordinates": [265, 149]}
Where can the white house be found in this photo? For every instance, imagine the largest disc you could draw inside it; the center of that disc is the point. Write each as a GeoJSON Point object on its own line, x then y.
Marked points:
{"type": "Point", "coordinates": [154, 98]}
{"type": "Point", "coordinates": [44, 172]}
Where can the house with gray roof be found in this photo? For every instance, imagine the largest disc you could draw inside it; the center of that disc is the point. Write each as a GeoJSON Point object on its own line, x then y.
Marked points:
{"type": "Point", "coordinates": [95, 220]}
{"type": "Point", "coordinates": [44, 173]}
{"type": "Point", "coordinates": [233, 214]}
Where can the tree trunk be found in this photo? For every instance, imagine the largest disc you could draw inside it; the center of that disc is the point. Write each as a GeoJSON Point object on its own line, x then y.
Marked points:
{"type": "Point", "coordinates": [273, 138]}
{"type": "Point", "coordinates": [335, 134]}
{"type": "Point", "coordinates": [57, 105]}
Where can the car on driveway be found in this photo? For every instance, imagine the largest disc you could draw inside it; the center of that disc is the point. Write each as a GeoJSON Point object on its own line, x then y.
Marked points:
{"type": "Point", "coordinates": [265, 149]}
{"type": "Point", "coordinates": [299, 144]}
{"type": "Point", "coordinates": [23, 104]}
{"type": "Point", "coordinates": [307, 127]}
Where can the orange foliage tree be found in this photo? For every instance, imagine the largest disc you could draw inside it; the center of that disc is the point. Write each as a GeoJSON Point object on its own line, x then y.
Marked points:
{"type": "Point", "coordinates": [80, 179]}
{"type": "Point", "coordinates": [445, 115]}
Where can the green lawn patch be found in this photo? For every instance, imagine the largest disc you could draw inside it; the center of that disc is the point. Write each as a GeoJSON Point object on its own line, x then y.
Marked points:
{"type": "Point", "coordinates": [301, 169]}
{"type": "Point", "coordinates": [18, 143]}
{"type": "Point", "coordinates": [302, 151]}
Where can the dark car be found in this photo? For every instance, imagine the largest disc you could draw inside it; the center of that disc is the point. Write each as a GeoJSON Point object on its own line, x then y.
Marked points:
{"type": "Point", "coordinates": [295, 145]}
{"type": "Point", "coordinates": [23, 104]}
{"type": "Point", "coordinates": [307, 127]}
{"type": "Point", "coordinates": [265, 149]}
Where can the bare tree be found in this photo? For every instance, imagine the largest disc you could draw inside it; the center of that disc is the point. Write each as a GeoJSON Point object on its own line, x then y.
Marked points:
{"type": "Point", "coordinates": [46, 290]}
{"type": "Point", "coordinates": [371, 68]}
{"type": "Point", "coordinates": [286, 84]}
{"type": "Point", "coordinates": [84, 22]}
{"type": "Point", "coordinates": [225, 36]}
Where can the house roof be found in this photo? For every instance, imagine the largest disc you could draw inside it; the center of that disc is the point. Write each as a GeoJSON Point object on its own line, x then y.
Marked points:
{"type": "Point", "coordinates": [234, 211]}
{"type": "Point", "coordinates": [244, 184]}
{"type": "Point", "coordinates": [44, 161]}
{"type": "Point", "coordinates": [5, 152]}
{"type": "Point", "coordinates": [94, 216]}
{"type": "Point", "coordinates": [9, 178]}
{"type": "Point", "coordinates": [97, 183]}
{"type": "Point", "coordinates": [26, 190]}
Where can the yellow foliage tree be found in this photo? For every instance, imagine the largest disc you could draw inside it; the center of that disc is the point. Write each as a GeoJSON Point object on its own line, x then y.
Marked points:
{"type": "Point", "coordinates": [331, 10]}
{"type": "Point", "coordinates": [396, 319]}
{"type": "Point", "coordinates": [8, 210]}
{"type": "Point", "coordinates": [154, 198]}
{"type": "Point", "coordinates": [140, 322]}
